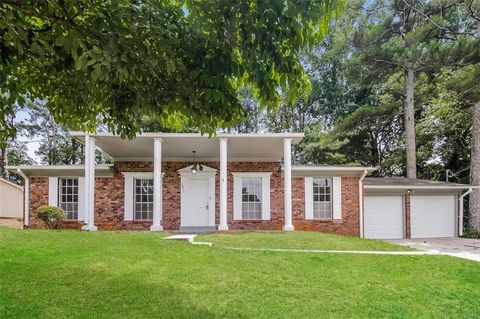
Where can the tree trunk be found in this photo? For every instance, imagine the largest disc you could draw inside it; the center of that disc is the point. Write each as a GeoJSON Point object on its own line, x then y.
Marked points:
{"type": "Point", "coordinates": [474, 207]}
{"type": "Point", "coordinates": [6, 173]}
{"type": "Point", "coordinates": [410, 147]}
{"type": "Point", "coordinates": [3, 152]}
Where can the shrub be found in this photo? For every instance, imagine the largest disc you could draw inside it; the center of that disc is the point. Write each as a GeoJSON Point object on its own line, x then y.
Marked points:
{"type": "Point", "coordinates": [51, 215]}
{"type": "Point", "coordinates": [473, 233]}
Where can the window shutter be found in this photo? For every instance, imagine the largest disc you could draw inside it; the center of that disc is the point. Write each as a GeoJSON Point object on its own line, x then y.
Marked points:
{"type": "Point", "coordinates": [308, 197]}
{"type": "Point", "coordinates": [237, 198]}
{"type": "Point", "coordinates": [81, 198]}
{"type": "Point", "coordinates": [53, 191]}
{"type": "Point", "coordinates": [128, 206]}
{"type": "Point", "coordinates": [266, 197]}
{"type": "Point", "coordinates": [337, 198]}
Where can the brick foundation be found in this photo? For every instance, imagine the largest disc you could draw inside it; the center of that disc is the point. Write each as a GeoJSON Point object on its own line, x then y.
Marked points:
{"type": "Point", "coordinates": [109, 200]}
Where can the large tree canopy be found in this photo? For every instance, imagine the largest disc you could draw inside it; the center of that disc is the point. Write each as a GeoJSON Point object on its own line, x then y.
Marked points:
{"type": "Point", "coordinates": [119, 60]}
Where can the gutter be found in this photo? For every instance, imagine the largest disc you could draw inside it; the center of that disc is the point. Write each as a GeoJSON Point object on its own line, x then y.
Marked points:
{"type": "Point", "coordinates": [460, 212]}
{"type": "Point", "coordinates": [360, 200]}
{"type": "Point", "coordinates": [26, 193]}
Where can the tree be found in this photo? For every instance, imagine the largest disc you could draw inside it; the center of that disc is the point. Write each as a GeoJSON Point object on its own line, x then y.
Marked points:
{"type": "Point", "coordinates": [461, 58]}
{"type": "Point", "coordinates": [12, 150]}
{"type": "Point", "coordinates": [465, 82]}
{"type": "Point", "coordinates": [394, 36]}
{"type": "Point", "coordinates": [122, 59]}
{"type": "Point", "coordinates": [254, 118]}
{"type": "Point", "coordinates": [56, 147]}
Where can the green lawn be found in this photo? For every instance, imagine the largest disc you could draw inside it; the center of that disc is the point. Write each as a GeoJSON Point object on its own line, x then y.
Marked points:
{"type": "Point", "coordinates": [56, 274]}
{"type": "Point", "coordinates": [297, 240]}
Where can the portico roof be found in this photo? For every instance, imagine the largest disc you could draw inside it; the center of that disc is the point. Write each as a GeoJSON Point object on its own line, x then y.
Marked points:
{"type": "Point", "coordinates": [328, 170]}
{"type": "Point", "coordinates": [263, 147]}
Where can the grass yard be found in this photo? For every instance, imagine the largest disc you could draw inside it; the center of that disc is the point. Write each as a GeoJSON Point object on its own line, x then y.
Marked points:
{"type": "Point", "coordinates": [56, 274]}
{"type": "Point", "coordinates": [297, 240]}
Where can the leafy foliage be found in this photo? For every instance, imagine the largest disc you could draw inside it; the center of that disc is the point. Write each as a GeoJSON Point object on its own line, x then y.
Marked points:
{"type": "Point", "coordinates": [122, 60]}
{"type": "Point", "coordinates": [50, 215]}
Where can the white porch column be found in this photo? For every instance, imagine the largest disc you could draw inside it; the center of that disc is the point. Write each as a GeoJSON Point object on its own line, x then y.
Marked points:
{"type": "Point", "coordinates": [157, 186]}
{"type": "Point", "coordinates": [26, 194]}
{"type": "Point", "coordinates": [287, 180]}
{"type": "Point", "coordinates": [223, 185]}
{"type": "Point", "coordinates": [89, 184]}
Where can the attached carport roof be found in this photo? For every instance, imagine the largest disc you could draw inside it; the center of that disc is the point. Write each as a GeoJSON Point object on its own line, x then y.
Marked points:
{"type": "Point", "coordinates": [403, 183]}
{"type": "Point", "coordinates": [105, 170]}
{"type": "Point", "coordinates": [261, 147]}
{"type": "Point", "coordinates": [329, 171]}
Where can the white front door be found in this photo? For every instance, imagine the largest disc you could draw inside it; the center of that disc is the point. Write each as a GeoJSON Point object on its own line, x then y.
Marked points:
{"type": "Point", "coordinates": [197, 202]}
{"type": "Point", "coordinates": [197, 197]}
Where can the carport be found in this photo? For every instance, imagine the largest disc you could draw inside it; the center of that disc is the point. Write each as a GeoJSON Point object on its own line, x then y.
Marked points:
{"type": "Point", "coordinates": [397, 207]}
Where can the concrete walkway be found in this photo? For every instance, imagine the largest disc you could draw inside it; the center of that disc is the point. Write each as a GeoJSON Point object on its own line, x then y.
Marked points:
{"type": "Point", "coordinates": [468, 256]}
{"type": "Point", "coordinates": [362, 252]}
{"type": "Point", "coordinates": [466, 248]}
{"type": "Point", "coordinates": [455, 247]}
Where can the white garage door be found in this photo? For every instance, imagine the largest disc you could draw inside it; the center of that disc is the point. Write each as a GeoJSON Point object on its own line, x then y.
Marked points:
{"type": "Point", "coordinates": [432, 216]}
{"type": "Point", "coordinates": [383, 217]}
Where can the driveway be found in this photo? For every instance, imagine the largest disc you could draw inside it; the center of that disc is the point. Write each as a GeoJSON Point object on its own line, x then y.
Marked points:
{"type": "Point", "coordinates": [458, 247]}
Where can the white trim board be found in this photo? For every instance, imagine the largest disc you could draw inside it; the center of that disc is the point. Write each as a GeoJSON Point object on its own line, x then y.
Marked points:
{"type": "Point", "coordinates": [336, 197]}
{"type": "Point", "coordinates": [128, 192]}
{"type": "Point", "coordinates": [237, 193]}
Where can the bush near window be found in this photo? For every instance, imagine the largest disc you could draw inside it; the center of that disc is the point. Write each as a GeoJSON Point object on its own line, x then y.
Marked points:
{"type": "Point", "coordinates": [51, 215]}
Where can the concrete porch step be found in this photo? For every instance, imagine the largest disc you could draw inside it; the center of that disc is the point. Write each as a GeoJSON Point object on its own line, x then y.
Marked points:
{"type": "Point", "coordinates": [198, 229]}
{"type": "Point", "coordinates": [188, 237]}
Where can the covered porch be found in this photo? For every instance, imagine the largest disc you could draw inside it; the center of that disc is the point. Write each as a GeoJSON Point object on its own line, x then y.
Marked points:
{"type": "Point", "coordinates": [198, 181]}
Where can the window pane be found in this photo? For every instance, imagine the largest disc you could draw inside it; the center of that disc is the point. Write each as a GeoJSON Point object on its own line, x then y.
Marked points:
{"type": "Point", "coordinates": [251, 198]}
{"type": "Point", "coordinates": [143, 196]}
{"type": "Point", "coordinates": [68, 197]}
{"type": "Point", "coordinates": [322, 199]}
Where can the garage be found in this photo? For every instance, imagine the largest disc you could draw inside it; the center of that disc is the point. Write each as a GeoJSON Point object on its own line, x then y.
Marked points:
{"type": "Point", "coordinates": [398, 207]}
{"type": "Point", "coordinates": [433, 216]}
{"type": "Point", "coordinates": [383, 216]}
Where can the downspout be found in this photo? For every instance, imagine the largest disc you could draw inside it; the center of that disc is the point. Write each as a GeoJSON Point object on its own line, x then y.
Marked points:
{"type": "Point", "coordinates": [460, 212]}
{"type": "Point", "coordinates": [26, 193]}
{"type": "Point", "coordinates": [360, 200]}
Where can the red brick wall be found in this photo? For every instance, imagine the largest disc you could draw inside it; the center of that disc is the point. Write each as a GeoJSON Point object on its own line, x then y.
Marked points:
{"type": "Point", "coordinates": [350, 222]}
{"type": "Point", "coordinates": [406, 198]}
{"type": "Point", "coordinates": [109, 199]}
{"type": "Point", "coordinates": [39, 197]}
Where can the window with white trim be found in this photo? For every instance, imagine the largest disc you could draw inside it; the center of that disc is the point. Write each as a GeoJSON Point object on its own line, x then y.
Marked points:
{"type": "Point", "coordinates": [251, 195]}
{"type": "Point", "coordinates": [68, 197]}
{"type": "Point", "coordinates": [322, 198]}
{"type": "Point", "coordinates": [143, 199]}
{"type": "Point", "coordinates": [252, 198]}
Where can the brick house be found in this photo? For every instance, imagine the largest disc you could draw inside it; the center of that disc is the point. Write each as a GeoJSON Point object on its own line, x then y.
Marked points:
{"type": "Point", "coordinates": [190, 182]}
